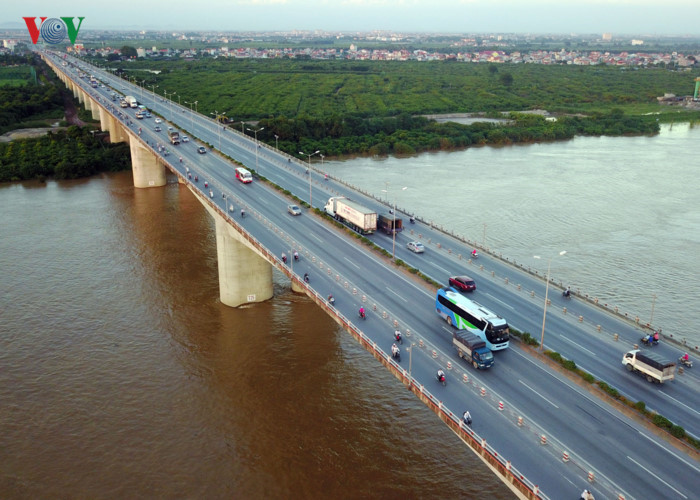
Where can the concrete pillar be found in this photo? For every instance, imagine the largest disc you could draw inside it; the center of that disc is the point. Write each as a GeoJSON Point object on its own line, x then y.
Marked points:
{"type": "Point", "coordinates": [244, 276]}
{"type": "Point", "coordinates": [85, 100]}
{"type": "Point", "coordinates": [114, 129]}
{"type": "Point", "coordinates": [147, 171]}
{"type": "Point", "coordinates": [74, 88]}
{"type": "Point", "coordinates": [95, 110]}
{"type": "Point", "coordinates": [104, 119]}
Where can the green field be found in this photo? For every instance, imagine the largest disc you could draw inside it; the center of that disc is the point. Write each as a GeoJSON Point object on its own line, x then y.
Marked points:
{"type": "Point", "coordinates": [253, 89]}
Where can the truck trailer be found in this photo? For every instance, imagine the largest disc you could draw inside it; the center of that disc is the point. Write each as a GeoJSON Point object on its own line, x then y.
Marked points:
{"type": "Point", "coordinates": [653, 367]}
{"type": "Point", "coordinates": [355, 216]}
{"type": "Point", "coordinates": [471, 348]}
{"type": "Point", "coordinates": [174, 136]}
{"type": "Point", "coordinates": [389, 223]}
{"type": "Point", "coordinates": [131, 101]}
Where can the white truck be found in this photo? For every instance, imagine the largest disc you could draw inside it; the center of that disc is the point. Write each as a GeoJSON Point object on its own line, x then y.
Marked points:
{"type": "Point", "coordinates": [131, 101]}
{"type": "Point", "coordinates": [653, 367]}
{"type": "Point", "coordinates": [355, 216]}
{"type": "Point", "coordinates": [473, 349]}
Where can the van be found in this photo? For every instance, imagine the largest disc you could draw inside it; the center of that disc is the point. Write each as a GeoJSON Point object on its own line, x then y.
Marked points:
{"type": "Point", "coordinates": [244, 175]}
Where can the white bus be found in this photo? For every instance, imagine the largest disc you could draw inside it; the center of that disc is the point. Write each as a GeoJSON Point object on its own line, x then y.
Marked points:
{"type": "Point", "coordinates": [244, 175]}
{"type": "Point", "coordinates": [465, 314]}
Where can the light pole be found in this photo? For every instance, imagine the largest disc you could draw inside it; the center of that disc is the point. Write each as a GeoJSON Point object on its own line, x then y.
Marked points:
{"type": "Point", "coordinates": [242, 126]}
{"type": "Point", "coordinates": [277, 146]}
{"type": "Point", "coordinates": [142, 93]}
{"type": "Point", "coordinates": [153, 91]}
{"type": "Point", "coordinates": [191, 115]}
{"type": "Point", "coordinates": [546, 297]}
{"type": "Point", "coordinates": [309, 173]}
{"type": "Point", "coordinates": [393, 225]}
{"type": "Point", "coordinates": [165, 93]}
{"type": "Point", "coordinates": [218, 121]}
{"type": "Point", "coordinates": [255, 131]}
{"type": "Point", "coordinates": [410, 358]}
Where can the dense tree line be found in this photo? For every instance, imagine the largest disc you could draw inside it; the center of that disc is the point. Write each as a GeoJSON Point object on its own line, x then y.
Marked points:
{"type": "Point", "coordinates": [66, 154]}
{"type": "Point", "coordinates": [22, 103]}
{"type": "Point", "coordinates": [406, 134]}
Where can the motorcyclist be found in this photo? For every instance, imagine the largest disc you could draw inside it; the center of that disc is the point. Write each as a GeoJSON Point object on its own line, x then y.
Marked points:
{"type": "Point", "coordinates": [331, 299]}
{"type": "Point", "coordinates": [395, 351]}
{"type": "Point", "coordinates": [296, 255]}
{"type": "Point", "coordinates": [284, 257]}
{"type": "Point", "coordinates": [412, 219]}
{"type": "Point", "coordinates": [567, 292]}
{"type": "Point", "coordinates": [306, 277]}
{"type": "Point", "coordinates": [243, 215]}
{"type": "Point", "coordinates": [441, 375]}
{"type": "Point", "coordinates": [397, 336]}
{"type": "Point", "coordinates": [474, 254]}
{"type": "Point", "coordinates": [362, 312]}
{"type": "Point", "coordinates": [685, 358]}
{"type": "Point", "coordinates": [656, 336]}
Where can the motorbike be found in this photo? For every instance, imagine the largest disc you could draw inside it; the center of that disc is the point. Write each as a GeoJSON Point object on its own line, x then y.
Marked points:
{"type": "Point", "coordinates": [363, 315]}
{"type": "Point", "coordinates": [306, 277]}
{"type": "Point", "coordinates": [331, 300]}
{"type": "Point", "coordinates": [566, 294]}
{"type": "Point", "coordinates": [412, 220]}
{"type": "Point", "coordinates": [441, 378]}
{"type": "Point", "coordinates": [649, 341]}
{"type": "Point", "coordinates": [686, 362]}
{"type": "Point", "coordinates": [296, 256]}
{"type": "Point", "coordinates": [396, 355]}
{"type": "Point", "coordinates": [284, 258]}
{"type": "Point", "coordinates": [243, 216]}
{"type": "Point", "coordinates": [398, 337]}
{"type": "Point", "coordinates": [475, 255]}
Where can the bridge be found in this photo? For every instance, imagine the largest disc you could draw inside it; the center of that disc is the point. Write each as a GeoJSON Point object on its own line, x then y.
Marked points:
{"type": "Point", "coordinates": [545, 434]}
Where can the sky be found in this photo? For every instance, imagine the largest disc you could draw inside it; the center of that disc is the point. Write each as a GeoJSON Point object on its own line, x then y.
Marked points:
{"type": "Point", "coordinates": [619, 17]}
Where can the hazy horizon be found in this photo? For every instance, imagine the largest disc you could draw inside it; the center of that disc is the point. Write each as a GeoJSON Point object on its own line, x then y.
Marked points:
{"type": "Point", "coordinates": [619, 17]}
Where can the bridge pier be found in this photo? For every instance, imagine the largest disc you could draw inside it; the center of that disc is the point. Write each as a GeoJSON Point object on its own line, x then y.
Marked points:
{"type": "Point", "coordinates": [147, 170]}
{"type": "Point", "coordinates": [105, 120]}
{"type": "Point", "coordinates": [244, 276]}
{"type": "Point", "coordinates": [94, 109]}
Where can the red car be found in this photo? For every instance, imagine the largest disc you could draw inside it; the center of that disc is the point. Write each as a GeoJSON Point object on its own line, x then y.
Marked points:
{"type": "Point", "coordinates": [463, 283]}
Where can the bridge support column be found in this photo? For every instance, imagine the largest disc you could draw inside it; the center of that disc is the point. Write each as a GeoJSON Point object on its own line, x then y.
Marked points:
{"type": "Point", "coordinates": [147, 171]}
{"type": "Point", "coordinates": [95, 110]}
{"type": "Point", "coordinates": [81, 98]}
{"type": "Point", "coordinates": [104, 119]}
{"type": "Point", "coordinates": [244, 276]}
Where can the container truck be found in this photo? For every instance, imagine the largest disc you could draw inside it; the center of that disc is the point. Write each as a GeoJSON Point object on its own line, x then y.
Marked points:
{"type": "Point", "coordinates": [653, 367]}
{"type": "Point", "coordinates": [471, 348]}
{"type": "Point", "coordinates": [355, 216]}
{"type": "Point", "coordinates": [174, 136]}
{"type": "Point", "coordinates": [131, 101]}
{"type": "Point", "coordinates": [389, 224]}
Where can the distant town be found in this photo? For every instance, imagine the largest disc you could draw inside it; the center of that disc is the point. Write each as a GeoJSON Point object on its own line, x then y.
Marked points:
{"type": "Point", "coordinates": [582, 50]}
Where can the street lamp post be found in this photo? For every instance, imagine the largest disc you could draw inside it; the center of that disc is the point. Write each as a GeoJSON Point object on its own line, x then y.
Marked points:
{"type": "Point", "coordinates": [153, 91]}
{"type": "Point", "coordinates": [546, 297]}
{"type": "Point", "coordinates": [393, 226]}
{"type": "Point", "coordinates": [255, 131]}
{"type": "Point", "coordinates": [277, 146]}
{"type": "Point", "coordinates": [309, 173]}
{"type": "Point", "coordinates": [191, 115]}
{"type": "Point", "coordinates": [165, 93]}
{"type": "Point", "coordinates": [218, 122]}
{"type": "Point", "coordinates": [410, 359]}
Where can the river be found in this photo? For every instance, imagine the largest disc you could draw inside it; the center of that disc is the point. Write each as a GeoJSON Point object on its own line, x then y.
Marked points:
{"type": "Point", "coordinates": [123, 376]}
{"type": "Point", "coordinates": [625, 209]}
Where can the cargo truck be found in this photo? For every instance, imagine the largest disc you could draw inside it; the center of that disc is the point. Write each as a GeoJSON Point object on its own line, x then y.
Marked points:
{"type": "Point", "coordinates": [389, 224]}
{"type": "Point", "coordinates": [471, 348]}
{"type": "Point", "coordinates": [355, 216]}
{"type": "Point", "coordinates": [653, 367]}
{"type": "Point", "coordinates": [174, 136]}
{"type": "Point", "coordinates": [131, 101]}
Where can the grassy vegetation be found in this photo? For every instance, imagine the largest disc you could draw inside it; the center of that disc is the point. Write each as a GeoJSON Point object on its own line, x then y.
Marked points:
{"type": "Point", "coordinates": [253, 89]}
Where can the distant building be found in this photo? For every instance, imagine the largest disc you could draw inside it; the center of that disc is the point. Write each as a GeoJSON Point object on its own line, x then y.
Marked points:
{"type": "Point", "coordinates": [607, 37]}
{"type": "Point", "coordinates": [140, 52]}
{"type": "Point", "coordinates": [637, 42]}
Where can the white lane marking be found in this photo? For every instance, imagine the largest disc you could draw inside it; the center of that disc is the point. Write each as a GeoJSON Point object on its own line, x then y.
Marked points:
{"type": "Point", "coordinates": [442, 268]}
{"type": "Point", "coordinates": [501, 302]}
{"type": "Point", "coordinates": [540, 395]}
{"type": "Point", "coordinates": [680, 403]}
{"type": "Point", "coordinates": [399, 296]}
{"type": "Point", "coordinates": [577, 345]}
{"type": "Point", "coordinates": [657, 477]}
{"type": "Point", "coordinates": [351, 262]}
{"type": "Point", "coordinates": [320, 240]}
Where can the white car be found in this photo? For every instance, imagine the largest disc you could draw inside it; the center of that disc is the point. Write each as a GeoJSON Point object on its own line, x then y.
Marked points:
{"type": "Point", "coordinates": [185, 138]}
{"type": "Point", "coordinates": [293, 209]}
{"type": "Point", "coordinates": [158, 120]}
{"type": "Point", "coordinates": [415, 246]}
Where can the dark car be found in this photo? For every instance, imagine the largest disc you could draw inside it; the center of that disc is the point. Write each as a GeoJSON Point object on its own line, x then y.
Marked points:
{"type": "Point", "coordinates": [463, 283]}
{"type": "Point", "coordinates": [201, 150]}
